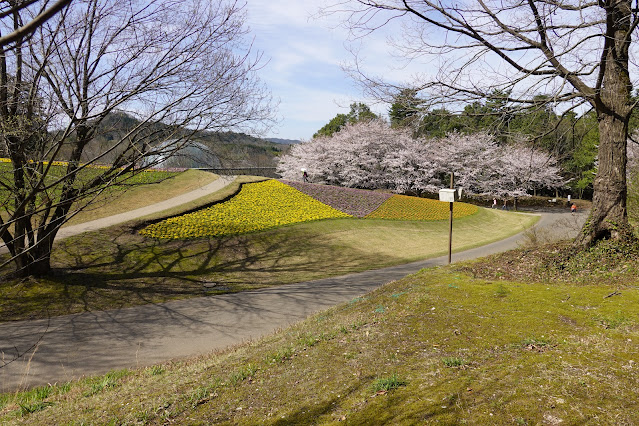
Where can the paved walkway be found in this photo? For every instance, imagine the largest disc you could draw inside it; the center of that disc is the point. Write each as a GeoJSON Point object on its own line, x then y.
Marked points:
{"type": "Point", "coordinates": [64, 348]}
{"type": "Point", "coordinates": [117, 219]}
{"type": "Point", "coordinates": [105, 222]}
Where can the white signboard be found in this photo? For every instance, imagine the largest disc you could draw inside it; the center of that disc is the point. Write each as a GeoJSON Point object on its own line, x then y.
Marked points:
{"type": "Point", "coordinates": [448, 195]}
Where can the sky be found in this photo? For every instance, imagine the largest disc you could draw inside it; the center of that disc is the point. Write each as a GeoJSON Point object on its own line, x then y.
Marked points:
{"type": "Point", "coordinates": [305, 56]}
{"type": "Point", "coordinates": [306, 53]}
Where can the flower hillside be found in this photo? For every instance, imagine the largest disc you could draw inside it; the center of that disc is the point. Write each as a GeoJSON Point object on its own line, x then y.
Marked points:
{"type": "Point", "coordinates": [412, 208]}
{"type": "Point", "coordinates": [256, 207]}
{"type": "Point", "coordinates": [356, 202]}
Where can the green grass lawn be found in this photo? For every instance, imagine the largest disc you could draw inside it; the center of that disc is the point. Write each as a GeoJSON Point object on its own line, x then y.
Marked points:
{"type": "Point", "coordinates": [140, 190]}
{"type": "Point", "coordinates": [436, 347]}
{"type": "Point", "coordinates": [116, 267]}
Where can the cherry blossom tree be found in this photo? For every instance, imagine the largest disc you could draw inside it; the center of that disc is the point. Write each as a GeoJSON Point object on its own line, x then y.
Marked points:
{"type": "Point", "coordinates": [372, 155]}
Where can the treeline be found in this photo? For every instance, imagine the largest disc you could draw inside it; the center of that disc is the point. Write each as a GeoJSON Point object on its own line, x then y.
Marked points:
{"type": "Point", "coordinates": [569, 137]}
{"type": "Point", "coordinates": [372, 155]}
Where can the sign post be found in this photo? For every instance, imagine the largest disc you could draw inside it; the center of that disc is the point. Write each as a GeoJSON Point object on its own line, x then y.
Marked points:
{"type": "Point", "coordinates": [450, 195]}
{"type": "Point", "coordinates": [450, 225]}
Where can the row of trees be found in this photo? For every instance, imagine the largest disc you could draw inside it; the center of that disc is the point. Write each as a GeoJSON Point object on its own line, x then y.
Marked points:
{"type": "Point", "coordinates": [177, 66]}
{"type": "Point", "coordinates": [371, 154]}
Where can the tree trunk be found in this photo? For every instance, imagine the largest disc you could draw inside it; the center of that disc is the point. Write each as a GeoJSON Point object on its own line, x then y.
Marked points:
{"type": "Point", "coordinates": [609, 217]}
{"type": "Point", "coordinates": [37, 265]}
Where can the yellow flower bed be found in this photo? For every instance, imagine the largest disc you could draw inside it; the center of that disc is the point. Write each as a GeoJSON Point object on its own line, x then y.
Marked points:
{"type": "Point", "coordinates": [258, 206]}
{"type": "Point", "coordinates": [66, 163]}
{"type": "Point", "coordinates": [403, 207]}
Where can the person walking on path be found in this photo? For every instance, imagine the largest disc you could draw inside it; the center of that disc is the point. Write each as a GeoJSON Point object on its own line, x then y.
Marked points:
{"type": "Point", "coordinates": [505, 206]}
{"type": "Point", "coordinates": [573, 208]}
{"type": "Point", "coordinates": [494, 203]}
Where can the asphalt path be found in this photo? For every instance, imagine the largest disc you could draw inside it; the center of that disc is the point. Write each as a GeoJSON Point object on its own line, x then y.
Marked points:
{"type": "Point", "coordinates": [105, 222]}
{"type": "Point", "coordinates": [64, 348]}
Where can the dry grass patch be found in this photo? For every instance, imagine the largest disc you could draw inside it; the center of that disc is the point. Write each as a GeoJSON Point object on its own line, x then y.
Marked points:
{"type": "Point", "coordinates": [608, 262]}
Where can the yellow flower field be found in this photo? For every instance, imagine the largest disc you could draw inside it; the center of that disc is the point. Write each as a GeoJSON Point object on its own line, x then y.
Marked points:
{"type": "Point", "coordinates": [403, 207]}
{"type": "Point", "coordinates": [258, 206]}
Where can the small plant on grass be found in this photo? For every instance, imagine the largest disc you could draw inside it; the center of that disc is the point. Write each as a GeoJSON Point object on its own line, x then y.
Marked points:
{"type": "Point", "coordinates": [281, 355]}
{"type": "Point", "coordinates": [612, 321]}
{"type": "Point", "coordinates": [33, 407]}
{"type": "Point", "coordinates": [243, 373]}
{"type": "Point", "coordinates": [501, 291]}
{"type": "Point", "coordinates": [536, 343]}
{"type": "Point", "coordinates": [64, 388]}
{"type": "Point", "coordinates": [308, 340]}
{"type": "Point", "coordinates": [32, 401]}
{"type": "Point", "coordinates": [37, 394]}
{"type": "Point", "coordinates": [386, 384]}
{"type": "Point", "coordinates": [155, 370]}
{"type": "Point", "coordinates": [108, 381]}
{"type": "Point", "coordinates": [454, 362]}
{"type": "Point", "coordinates": [203, 394]}
{"type": "Point", "coordinates": [4, 400]}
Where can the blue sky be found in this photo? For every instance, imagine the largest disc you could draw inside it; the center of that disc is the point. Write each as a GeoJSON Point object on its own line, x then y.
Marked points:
{"type": "Point", "coordinates": [304, 71]}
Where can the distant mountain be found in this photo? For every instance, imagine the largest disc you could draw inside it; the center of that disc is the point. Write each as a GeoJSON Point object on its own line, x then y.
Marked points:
{"type": "Point", "coordinates": [207, 149]}
{"type": "Point", "coordinates": [283, 141]}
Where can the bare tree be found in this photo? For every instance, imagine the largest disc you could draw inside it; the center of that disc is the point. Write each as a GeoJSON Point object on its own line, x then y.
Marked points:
{"type": "Point", "coordinates": [11, 7]}
{"type": "Point", "coordinates": [178, 66]}
{"type": "Point", "coordinates": [575, 52]}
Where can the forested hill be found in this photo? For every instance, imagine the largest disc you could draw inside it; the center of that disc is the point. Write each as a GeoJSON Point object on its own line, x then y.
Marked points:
{"type": "Point", "coordinates": [225, 149]}
{"type": "Point", "coordinates": [283, 141]}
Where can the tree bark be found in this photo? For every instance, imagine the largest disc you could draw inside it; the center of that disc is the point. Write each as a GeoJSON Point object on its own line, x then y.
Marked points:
{"type": "Point", "coordinates": [609, 216]}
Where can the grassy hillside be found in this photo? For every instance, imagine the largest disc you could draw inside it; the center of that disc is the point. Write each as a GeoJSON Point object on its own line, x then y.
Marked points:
{"type": "Point", "coordinates": [130, 192]}
{"type": "Point", "coordinates": [122, 199]}
{"type": "Point", "coordinates": [444, 345]}
{"type": "Point", "coordinates": [440, 346]}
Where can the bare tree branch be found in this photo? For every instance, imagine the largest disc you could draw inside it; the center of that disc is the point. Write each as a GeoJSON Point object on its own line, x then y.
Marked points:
{"type": "Point", "coordinates": [33, 24]}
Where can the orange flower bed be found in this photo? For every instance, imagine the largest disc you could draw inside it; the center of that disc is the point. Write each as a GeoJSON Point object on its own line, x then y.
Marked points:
{"type": "Point", "coordinates": [402, 207]}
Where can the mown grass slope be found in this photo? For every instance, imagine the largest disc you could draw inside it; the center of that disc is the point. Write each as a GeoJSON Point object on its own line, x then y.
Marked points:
{"type": "Point", "coordinates": [540, 335]}
{"type": "Point", "coordinates": [436, 347]}
{"type": "Point", "coordinates": [130, 192]}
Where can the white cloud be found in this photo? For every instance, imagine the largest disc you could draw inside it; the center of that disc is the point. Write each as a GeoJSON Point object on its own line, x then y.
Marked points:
{"type": "Point", "coordinates": [305, 56]}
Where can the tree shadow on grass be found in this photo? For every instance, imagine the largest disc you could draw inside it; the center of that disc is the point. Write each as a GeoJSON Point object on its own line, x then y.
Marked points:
{"type": "Point", "coordinates": [116, 268]}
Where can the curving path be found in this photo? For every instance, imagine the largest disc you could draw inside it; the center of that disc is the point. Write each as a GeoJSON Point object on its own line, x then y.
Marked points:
{"type": "Point", "coordinates": [68, 347]}
{"type": "Point", "coordinates": [105, 222]}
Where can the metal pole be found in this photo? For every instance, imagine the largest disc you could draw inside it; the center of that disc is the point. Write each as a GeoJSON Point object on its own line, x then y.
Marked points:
{"type": "Point", "coordinates": [450, 227]}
